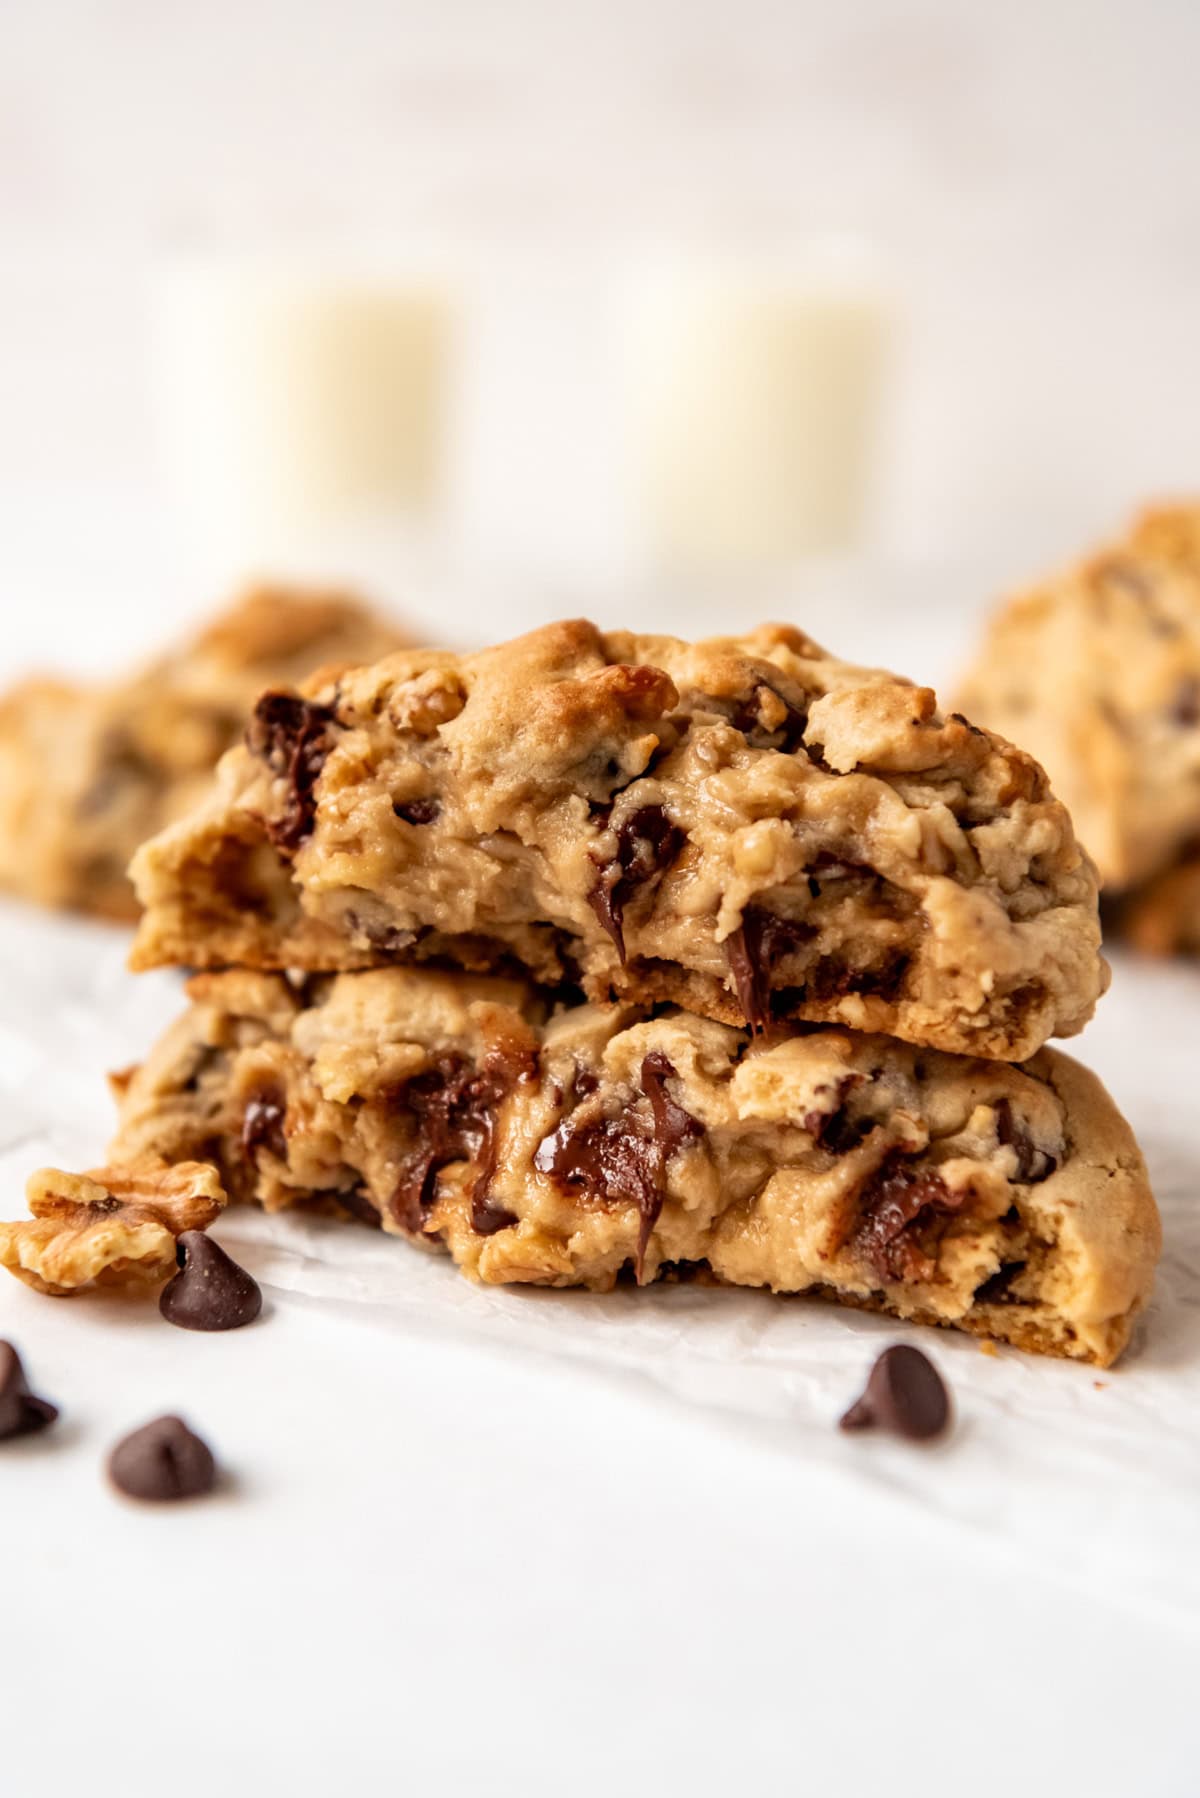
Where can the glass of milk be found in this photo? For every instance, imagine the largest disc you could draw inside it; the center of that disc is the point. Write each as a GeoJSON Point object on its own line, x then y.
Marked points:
{"type": "Point", "coordinates": [304, 413]}
{"type": "Point", "coordinates": [752, 397]}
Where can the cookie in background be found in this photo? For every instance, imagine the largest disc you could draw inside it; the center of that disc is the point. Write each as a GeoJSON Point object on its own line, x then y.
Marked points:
{"type": "Point", "coordinates": [1096, 672]}
{"type": "Point", "coordinates": [88, 772]}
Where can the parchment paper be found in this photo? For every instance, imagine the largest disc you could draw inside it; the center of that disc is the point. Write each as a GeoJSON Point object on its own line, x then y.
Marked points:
{"type": "Point", "coordinates": [1093, 1476]}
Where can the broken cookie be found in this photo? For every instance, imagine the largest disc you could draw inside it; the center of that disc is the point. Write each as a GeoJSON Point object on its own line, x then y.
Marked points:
{"type": "Point", "coordinates": [600, 1141]}
{"type": "Point", "coordinates": [746, 827]}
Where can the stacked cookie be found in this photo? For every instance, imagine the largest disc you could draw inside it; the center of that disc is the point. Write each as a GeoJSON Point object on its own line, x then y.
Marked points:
{"type": "Point", "coordinates": [601, 955]}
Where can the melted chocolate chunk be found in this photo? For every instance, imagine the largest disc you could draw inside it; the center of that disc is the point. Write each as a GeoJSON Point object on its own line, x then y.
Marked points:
{"type": "Point", "coordinates": [787, 736]}
{"type": "Point", "coordinates": [21, 1414]}
{"type": "Point", "coordinates": [830, 979]}
{"type": "Point", "coordinates": [451, 1105]}
{"type": "Point", "coordinates": [210, 1291]}
{"type": "Point", "coordinates": [1033, 1164]}
{"type": "Point", "coordinates": [292, 736]}
{"type": "Point", "coordinates": [647, 844]}
{"type": "Point", "coordinates": [162, 1462]}
{"type": "Point", "coordinates": [263, 1125]}
{"type": "Point", "coordinates": [455, 1108]}
{"type": "Point", "coordinates": [759, 940]}
{"type": "Point", "coordinates": [417, 811]}
{"type": "Point", "coordinates": [624, 1159]}
{"type": "Point", "coordinates": [905, 1394]}
{"type": "Point", "coordinates": [357, 1204]}
{"type": "Point", "coordinates": [896, 1205]}
{"type": "Point", "coordinates": [836, 1130]}
{"type": "Point", "coordinates": [488, 1216]}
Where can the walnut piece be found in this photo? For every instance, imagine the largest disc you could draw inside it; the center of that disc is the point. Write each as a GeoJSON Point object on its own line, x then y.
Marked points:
{"type": "Point", "coordinates": [113, 1227]}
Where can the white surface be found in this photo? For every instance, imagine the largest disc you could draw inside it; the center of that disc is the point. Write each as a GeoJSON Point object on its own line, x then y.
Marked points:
{"type": "Point", "coordinates": [466, 1550]}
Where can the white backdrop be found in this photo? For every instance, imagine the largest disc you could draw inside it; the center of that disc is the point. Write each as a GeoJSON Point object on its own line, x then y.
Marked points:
{"type": "Point", "coordinates": [1027, 176]}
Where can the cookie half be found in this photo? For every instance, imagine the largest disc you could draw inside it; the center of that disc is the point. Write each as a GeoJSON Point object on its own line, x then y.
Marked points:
{"type": "Point", "coordinates": [746, 827]}
{"type": "Point", "coordinates": [599, 1143]}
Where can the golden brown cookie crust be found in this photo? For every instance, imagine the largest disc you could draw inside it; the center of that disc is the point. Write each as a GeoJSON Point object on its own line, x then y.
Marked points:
{"type": "Point", "coordinates": [573, 1149]}
{"type": "Point", "coordinates": [745, 826]}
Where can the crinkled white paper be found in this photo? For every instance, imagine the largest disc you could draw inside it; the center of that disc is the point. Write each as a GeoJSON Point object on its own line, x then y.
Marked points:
{"type": "Point", "coordinates": [1094, 1475]}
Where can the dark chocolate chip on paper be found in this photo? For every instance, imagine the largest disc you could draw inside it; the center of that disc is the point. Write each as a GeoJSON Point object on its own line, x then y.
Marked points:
{"type": "Point", "coordinates": [210, 1291]}
{"type": "Point", "coordinates": [904, 1394]}
{"type": "Point", "coordinates": [162, 1462]}
{"type": "Point", "coordinates": [20, 1412]}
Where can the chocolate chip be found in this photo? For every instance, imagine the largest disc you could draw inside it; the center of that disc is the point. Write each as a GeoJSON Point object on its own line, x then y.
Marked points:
{"type": "Point", "coordinates": [905, 1394]}
{"type": "Point", "coordinates": [894, 1206]}
{"type": "Point", "coordinates": [487, 1216]}
{"type": "Point", "coordinates": [262, 1125]}
{"type": "Point", "coordinates": [1033, 1164]}
{"type": "Point", "coordinates": [787, 735]}
{"type": "Point", "coordinates": [210, 1291]}
{"type": "Point", "coordinates": [997, 1288]}
{"type": "Point", "coordinates": [417, 811]}
{"type": "Point", "coordinates": [836, 1131]}
{"type": "Point", "coordinates": [647, 843]}
{"type": "Point", "coordinates": [292, 736]}
{"type": "Point", "coordinates": [20, 1412]}
{"type": "Point", "coordinates": [625, 1158]}
{"type": "Point", "coordinates": [161, 1462]}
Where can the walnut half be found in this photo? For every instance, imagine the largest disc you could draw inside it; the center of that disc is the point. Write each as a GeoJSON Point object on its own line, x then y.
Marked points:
{"type": "Point", "coordinates": [113, 1227]}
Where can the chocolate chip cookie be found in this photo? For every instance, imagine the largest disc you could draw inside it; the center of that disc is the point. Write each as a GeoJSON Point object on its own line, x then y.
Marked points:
{"type": "Point", "coordinates": [745, 827]}
{"type": "Point", "coordinates": [1097, 672]}
{"type": "Point", "coordinates": [598, 1142]}
{"type": "Point", "coordinates": [87, 773]}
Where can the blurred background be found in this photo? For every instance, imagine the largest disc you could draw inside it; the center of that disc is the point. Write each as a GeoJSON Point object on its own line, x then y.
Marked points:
{"type": "Point", "coordinates": [677, 309]}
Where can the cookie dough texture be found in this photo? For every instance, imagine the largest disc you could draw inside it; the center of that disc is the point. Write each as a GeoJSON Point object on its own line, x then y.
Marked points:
{"type": "Point", "coordinates": [745, 827]}
{"type": "Point", "coordinates": [570, 1149]}
{"type": "Point", "coordinates": [87, 773]}
{"type": "Point", "coordinates": [1097, 672]}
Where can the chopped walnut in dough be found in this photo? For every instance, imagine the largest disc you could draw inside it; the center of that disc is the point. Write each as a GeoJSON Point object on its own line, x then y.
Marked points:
{"type": "Point", "coordinates": [116, 1226]}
